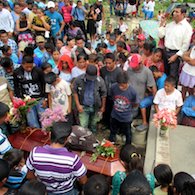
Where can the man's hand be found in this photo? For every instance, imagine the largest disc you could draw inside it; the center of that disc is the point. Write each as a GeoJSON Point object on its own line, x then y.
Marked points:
{"type": "Point", "coordinates": [172, 59]}
{"type": "Point", "coordinates": [58, 33]}
{"type": "Point", "coordinates": [80, 108]}
{"type": "Point", "coordinates": [193, 108]}
{"type": "Point", "coordinates": [44, 104]}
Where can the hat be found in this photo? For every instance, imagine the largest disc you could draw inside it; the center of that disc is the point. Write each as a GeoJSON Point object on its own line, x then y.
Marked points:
{"type": "Point", "coordinates": [50, 4]}
{"type": "Point", "coordinates": [61, 129]}
{"type": "Point", "coordinates": [22, 45]}
{"type": "Point", "coordinates": [91, 72]}
{"type": "Point", "coordinates": [100, 0]}
{"type": "Point", "coordinates": [29, 1]}
{"type": "Point", "coordinates": [40, 39]}
{"type": "Point", "coordinates": [135, 60]}
{"type": "Point", "coordinates": [141, 37]}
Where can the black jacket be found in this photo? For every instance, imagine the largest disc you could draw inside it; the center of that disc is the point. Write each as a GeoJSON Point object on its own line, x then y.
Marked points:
{"type": "Point", "coordinates": [34, 86]}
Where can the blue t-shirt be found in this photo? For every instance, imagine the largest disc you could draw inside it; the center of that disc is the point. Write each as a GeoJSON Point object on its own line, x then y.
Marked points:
{"type": "Point", "coordinates": [112, 48]}
{"type": "Point", "coordinates": [123, 101]}
{"type": "Point", "coordinates": [161, 81]}
{"type": "Point", "coordinates": [78, 13]}
{"type": "Point", "coordinates": [56, 19]}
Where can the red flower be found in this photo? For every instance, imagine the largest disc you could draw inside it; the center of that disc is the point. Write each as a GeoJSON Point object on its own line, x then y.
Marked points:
{"type": "Point", "coordinates": [108, 144]}
{"type": "Point", "coordinates": [17, 102]}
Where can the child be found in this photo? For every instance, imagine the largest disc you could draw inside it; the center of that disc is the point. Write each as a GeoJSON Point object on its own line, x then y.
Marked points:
{"type": "Point", "coordinates": [147, 52]}
{"type": "Point", "coordinates": [4, 167]}
{"type": "Point", "coordinates": [140, 42]}
{"type": "Point", "coordinates": [18, 170]}
{"type": "Point", "coordinates": [168, 97]}
{"type": "Point", "coordinates": [164, 176]}
{"type": "Point", "coordinates": [148, 101]}
{"type": "Point", "coordinates": [124, 98]}
{"type": "Point", "coordinates": [122, 26]}
{"type": "Point", "coordinates": [187, 76]}
{"type": "Point", "coordinates": [130, 160]}
{"type": "Point", "coordinates": [81, 66]}
{"type": "Point", "coordinates": [156, 59]}
{"type": "Point", "coordinates": [32, 187]}
{"type": "Point", "coordinates": [46, 68]}
{"type": "Point", "coordinates": [60, 92]}
{"type": "Point", "coordinates": [96, 184]}
{"type": "Point", "coordinates": [65, 66]}
{"type": "Point", "coordinates": [4, 143]}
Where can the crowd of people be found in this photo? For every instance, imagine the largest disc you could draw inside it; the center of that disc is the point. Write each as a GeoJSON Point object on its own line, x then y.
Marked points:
{"type": "Point", "coordinates": [50, 54]}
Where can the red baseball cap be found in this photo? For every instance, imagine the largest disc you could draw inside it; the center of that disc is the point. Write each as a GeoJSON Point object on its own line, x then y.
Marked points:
{"type": "Point", "coordinates": [135, 60]}
{"type": "Point", "coordinates": [141, 37]}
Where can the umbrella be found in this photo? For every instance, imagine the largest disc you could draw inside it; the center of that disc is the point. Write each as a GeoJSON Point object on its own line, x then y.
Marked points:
{"type": "Point", "coordinates": [150, 27]}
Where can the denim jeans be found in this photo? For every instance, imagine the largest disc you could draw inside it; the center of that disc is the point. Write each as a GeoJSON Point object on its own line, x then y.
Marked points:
{"type": "Point", "coordinates": [146, 102]}
{"type": "Point", "coordinates": [89, 118]}
{"type": "Point", "coordinates": [71, 192]}
{"type": "Point", "coordinates": [34, 114]}
{"type": "Point", "coordinates": [112, 7]}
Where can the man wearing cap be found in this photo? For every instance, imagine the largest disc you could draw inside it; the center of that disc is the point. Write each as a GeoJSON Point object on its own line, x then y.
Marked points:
{"type": "Point", "coordinates": [177, 35]}
{"type": "Point", "coordinates": [90, 96]}
{"type": "Point", "coordinates": [54, 165]}
{"type": "Point", "coordinates": [141, 77]}
{"type": "Point", "coordinates": [57, 22]}
{"type": "Point", "coordinates": [40, 50]}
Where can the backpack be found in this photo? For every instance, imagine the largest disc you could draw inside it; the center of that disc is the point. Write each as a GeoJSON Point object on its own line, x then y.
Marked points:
{"type": "Point", "coordinates": [82, 139]}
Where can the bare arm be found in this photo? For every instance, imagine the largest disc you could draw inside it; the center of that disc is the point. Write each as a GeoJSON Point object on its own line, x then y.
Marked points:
{"type": "Point", "coordinates": [82, 180]}
{"type": "Point", "coordinates": [156, 108]}
{"type": "Point", "coordinates": [30, 175]}
{"type": "Point", "coordinates": [177, 110]}
{"type": "Point", "coordinates": [38, 28]}
{"type": "Point", "coordinates": [78, 105]}
{"type": "Point", "coordinates": [103, 107]}
{"type": "Point", "coordinates": [45, 24]}
{"type": "Point", "coordinates": [69, 104]}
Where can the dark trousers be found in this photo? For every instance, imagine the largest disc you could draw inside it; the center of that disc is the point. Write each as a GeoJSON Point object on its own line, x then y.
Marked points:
{"type": "Point", "coordinates": [120, 127]}
{"type": "Point", "coordinates": [81, 24]}
{"type": "Point", "coordinates": [172, 69]}
{"type": "Point", "coordinates": [107, 113]}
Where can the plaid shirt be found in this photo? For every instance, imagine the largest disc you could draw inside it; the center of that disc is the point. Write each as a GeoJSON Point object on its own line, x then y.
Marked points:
{"type": "Point", "coordinates": [12, 44]}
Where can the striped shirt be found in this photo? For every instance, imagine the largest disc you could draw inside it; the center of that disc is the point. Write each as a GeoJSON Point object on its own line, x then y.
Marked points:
{"type": "Point", "coordinates": [4, 144]}
{"type": "Point", "coordinates": [57, 168]}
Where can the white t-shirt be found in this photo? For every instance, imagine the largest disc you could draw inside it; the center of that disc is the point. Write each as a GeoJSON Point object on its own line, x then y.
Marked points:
{"type": "Point", "coordinates": [187, 68]}
{"type": "Point", "coordinates": [6, 21]}
{"type": "Point", "coordinates": [123, 27]}
{"type": "Point", "coordinates": [151, 5]}
{"type": "Point", "coordinates": [168, 101]}
{"type": "Point", "coordinates": [59, 95]}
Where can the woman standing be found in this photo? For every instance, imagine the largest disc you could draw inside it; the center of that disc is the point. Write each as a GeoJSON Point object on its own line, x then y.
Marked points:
{"type": "Point", "coordinates": [91, 28]}
{"type": "Point", "coordinates": [23, 27]}
{"type": "Point", "coordinates": [41, 24]}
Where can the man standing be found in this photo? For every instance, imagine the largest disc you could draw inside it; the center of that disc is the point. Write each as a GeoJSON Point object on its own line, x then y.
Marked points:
{"type": "Point", "coordinates": [177, 36]}
{"type": "Point", "coordinates": [57, 22]}
{"type": "Point", "coordinates": [90, 97]}
{"type": "Point", "coordinates": [29, 80]}
{"type": "Point", "coordinates": [6, 20]}
{"type": "Point", "coordinates": [99, 10]}
{"type": "Point", "coordinates": [78, 14]}
{"type": "Point", "coordinates": [54, 165]}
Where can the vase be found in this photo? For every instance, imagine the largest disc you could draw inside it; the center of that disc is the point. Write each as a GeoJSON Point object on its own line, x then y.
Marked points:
{"type": "Point", "coordinates": [163, 131]}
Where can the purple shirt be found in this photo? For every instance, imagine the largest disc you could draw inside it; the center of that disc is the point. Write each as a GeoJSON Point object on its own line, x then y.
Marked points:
{"type": "Point", "coordinates": [57, 168]}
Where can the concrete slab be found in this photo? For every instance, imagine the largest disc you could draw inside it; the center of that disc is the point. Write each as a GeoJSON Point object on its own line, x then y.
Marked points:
{"type": "Point", "coordinates": [182, 149]}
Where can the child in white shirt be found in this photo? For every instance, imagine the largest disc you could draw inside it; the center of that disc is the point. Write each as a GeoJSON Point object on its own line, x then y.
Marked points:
{"type": "Point", "coordinates": [168, 97]}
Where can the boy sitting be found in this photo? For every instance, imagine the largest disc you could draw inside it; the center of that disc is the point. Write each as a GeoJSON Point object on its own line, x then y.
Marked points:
{"type": "Point", "coordinates": [4, 167]}
{"type": "Point", "coordinates": [168, 97]}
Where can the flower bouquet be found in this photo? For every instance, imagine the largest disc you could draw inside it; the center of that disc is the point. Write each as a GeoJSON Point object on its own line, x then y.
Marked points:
{"type": "Point", "coordinates": [105, 149]}
{"type": "Point", "coordinates": [165, 119]}
{"type": "Point", "coordinates": [49, 116]}
{"type": "Point", "coordinates": [19, 109]}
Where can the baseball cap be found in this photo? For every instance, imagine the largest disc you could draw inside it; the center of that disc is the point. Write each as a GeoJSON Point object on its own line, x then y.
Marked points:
{"type": "Point", "coordinates": [40, 39]}
{"type": "Point", "coordinates": [135, 60]}
{"type": "Point", "coordinates": [61, 129]}
{"type": "Point", "coordinates": [91, 72]}
{"type": "Point", "coordinates": [141, 37]}
{"type": "Point", "coordinates": [100, 0]}
{"type": "Point", "coordinates": [50, 4]}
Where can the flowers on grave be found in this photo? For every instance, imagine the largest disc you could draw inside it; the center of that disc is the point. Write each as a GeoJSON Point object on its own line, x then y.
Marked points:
{"type": "Point", "coordinates": [49, 116]}
{"type": "Point", "coordinates": [19, 108]}
{"type": "Point", "coordinates": [165, 119]}
{"type": "Point", "coordinates": [104, 149]}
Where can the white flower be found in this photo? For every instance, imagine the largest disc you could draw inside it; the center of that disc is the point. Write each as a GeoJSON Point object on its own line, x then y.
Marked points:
{"type": "Point", "coordinates": [26, 98]}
